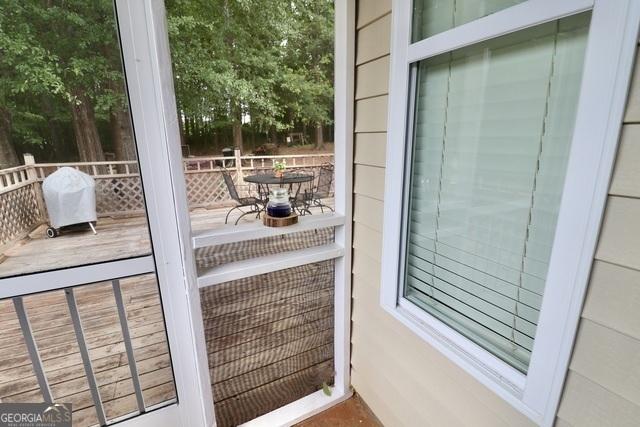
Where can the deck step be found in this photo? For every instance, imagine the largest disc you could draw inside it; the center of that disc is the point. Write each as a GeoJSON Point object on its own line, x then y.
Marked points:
{"type": "Point", "coordinates": [267, 264]}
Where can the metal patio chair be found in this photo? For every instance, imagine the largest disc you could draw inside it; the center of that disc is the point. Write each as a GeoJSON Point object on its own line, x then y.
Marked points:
{"type": "Point", "coordinates": [255, 203]}
{"type": "Point", "coordinates": [322, 188]}
{"type": "Point", "coordinates": [301, 199]}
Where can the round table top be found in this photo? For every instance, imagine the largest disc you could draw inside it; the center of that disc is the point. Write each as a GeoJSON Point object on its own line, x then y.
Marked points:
{"type": "Point", "coordinates": [287, 178]}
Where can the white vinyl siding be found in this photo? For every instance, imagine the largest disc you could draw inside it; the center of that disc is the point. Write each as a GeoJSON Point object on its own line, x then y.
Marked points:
{"type": "Point", "coordinates": [420, 385]}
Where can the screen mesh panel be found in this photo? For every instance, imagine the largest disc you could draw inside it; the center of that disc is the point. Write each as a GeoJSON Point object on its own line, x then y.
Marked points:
{"type": "Point", "coordinates": [269, 339]}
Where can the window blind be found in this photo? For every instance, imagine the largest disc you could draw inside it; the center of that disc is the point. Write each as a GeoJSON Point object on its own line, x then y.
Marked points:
{"type": "Point", "coordinates": [491, 136]}
{"type": "Point", "coordinates": [435, 16]}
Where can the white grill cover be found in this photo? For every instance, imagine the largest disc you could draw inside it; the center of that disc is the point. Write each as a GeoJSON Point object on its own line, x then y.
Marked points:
{"type": "Point", "coordinates": [70, 196]}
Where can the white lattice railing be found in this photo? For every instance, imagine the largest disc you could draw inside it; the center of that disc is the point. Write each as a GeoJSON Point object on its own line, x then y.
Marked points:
{"type": "Point", "coordinates": [119, 189]}
{"type": "Point", "coordinates": [296, 161]}
{"type": "Point", "coordinates": [21, 205]}
{"type": "Point", "coordinates": [14, 178]}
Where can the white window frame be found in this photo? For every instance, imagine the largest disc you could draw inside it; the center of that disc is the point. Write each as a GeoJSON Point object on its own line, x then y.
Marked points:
{"type": "Point", "coordinates": [610, 51]}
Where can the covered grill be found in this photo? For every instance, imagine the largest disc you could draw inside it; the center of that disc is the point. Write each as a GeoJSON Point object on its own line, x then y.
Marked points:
{"type": "Point", "coordinates": [70, 196]}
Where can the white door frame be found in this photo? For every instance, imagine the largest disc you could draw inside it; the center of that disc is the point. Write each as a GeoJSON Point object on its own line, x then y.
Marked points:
{"type": "Point", "coordinates": [147, 62]}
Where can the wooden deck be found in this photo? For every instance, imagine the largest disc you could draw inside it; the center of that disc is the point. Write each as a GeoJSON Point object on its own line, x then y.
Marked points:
{"type": "Point", "coordinates": [53, 332]}
{"type": "Point", "coordinates": [117, 238]}
{"type": "Point", "coordinates": [269, 337]}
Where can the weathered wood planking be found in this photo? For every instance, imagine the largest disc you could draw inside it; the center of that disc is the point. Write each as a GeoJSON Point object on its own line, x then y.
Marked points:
{"type": "Point", "coordinates": [117, 238]}
{"type": "Point", "coordinates": [272, 328]}
{"type": "Point", "coordinates": [253, 362]}
{"type": "Point", "coordinates": [239, 321]}
{"type": "Point", "coordinates": [238, 352]}
{"type": "Point", "coordinates": [230, 252]}
{"type": "Point", "coordinates": [263, 399]}
{"type": "Point", "coordinates": [272, 372]}
{"type": "Point", "coordinates": [225, 300]}
{"type": "Point", "coordinates": [53, 331]}
{"type": "Point", "coordinates": [269, 338]}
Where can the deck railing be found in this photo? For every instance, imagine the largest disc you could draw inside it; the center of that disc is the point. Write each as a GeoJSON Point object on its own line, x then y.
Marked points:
{"type": "Point", "coordinates": [119, 189]}
{"type": "Point", "coordinates": [21, 205]}
{"type": "Point", "coordinates": [113, 336]}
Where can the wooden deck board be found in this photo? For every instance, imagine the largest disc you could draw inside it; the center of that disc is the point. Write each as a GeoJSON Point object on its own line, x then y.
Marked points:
{"type": "Point", "coordinates": [117, 238]}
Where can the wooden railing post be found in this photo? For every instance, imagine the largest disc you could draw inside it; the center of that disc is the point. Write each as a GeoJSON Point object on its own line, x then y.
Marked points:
{"type": "Point", "coordinates": [29, 162]}
{"type": "Point", "coordinates": [32, 175]}
{"type": "Point", "coordinates": [239, 174]}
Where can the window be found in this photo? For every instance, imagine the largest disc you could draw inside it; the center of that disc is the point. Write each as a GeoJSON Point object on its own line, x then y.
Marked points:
{"type": "Point", "coordinates": [497, 167]}
{"type": "Point", "coordinates": [491, 138]}
{"type": "Point", "coordinates": [434, 16]}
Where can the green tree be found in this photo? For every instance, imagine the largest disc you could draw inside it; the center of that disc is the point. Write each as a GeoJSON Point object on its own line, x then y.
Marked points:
{"type": "Point", "coordinates": [70, 50]}
{"type": "Point", "coordinates": [61, 77]}
{"type": "Point", "coordinates": [27, 69]}
{"type": "Point", "coordinates": [308, 81]}
{"type": "Point", "coordinates": [227, 55]}
{"type": "Point", "coordinates": [270, 60]}
{"type": "Point", "coordinates": [87, 50]}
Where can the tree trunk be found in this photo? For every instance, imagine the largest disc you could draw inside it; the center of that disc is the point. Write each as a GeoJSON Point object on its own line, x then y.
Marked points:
{"type": "Point", "coordinates": [216, 141]}
{"type": "Point", "coordinates": [8, 157]}
{"type": "Point", "coordinates": [187, 127]}
{"type": "Point", "coordinates": [122, 135]}
{"type": "Point", "coordinates": [181, 128]}
{"type": "Point", "coordinates": [55, 133]}
{"type": "Point", "coordinates": [319, 136]}
{"type": "Point", "coordinates": [237, 136]}
{"type": "Point", "coordinates": [274, 135]}
{"type": "Point", "coordinates": [85, 130]}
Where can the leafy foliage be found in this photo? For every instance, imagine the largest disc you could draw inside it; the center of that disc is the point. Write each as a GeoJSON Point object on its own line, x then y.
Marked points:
{"type": "Point", "coordinates": [271, 60]}
{"type": "Point", "coordinates": [268, 60]}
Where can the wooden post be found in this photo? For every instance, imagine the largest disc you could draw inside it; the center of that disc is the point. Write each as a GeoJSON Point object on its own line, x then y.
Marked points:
{"type": "Point", "coordinates": [239, 174]}
{"type": "Point", "coordinates": [30, 162]}
{"type": "Point", "coordinates": [32, 175]}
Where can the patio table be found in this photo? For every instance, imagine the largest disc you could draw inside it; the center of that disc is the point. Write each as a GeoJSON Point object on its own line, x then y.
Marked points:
{"type": "Point", "coordinates": [266, 179]}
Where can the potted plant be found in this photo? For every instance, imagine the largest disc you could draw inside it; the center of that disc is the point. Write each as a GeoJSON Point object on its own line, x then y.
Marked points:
{"type": "Point", "coordinates": [278, 169]}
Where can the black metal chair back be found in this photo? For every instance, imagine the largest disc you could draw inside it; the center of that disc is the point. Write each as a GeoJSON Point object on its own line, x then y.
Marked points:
{"type": "Point", "coordinates": [231, 186]}
{"type": "Point", "coordinates": [325, 179]}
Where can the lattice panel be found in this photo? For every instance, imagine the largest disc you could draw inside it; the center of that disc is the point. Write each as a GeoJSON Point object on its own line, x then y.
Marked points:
{"type": "Point", "coordinates": [207, 189]}
{"type": "Point", "coordinates": [19, 213]}
{"type": "Point", "coordinates": [122, 195]}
